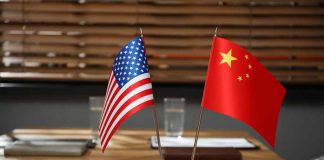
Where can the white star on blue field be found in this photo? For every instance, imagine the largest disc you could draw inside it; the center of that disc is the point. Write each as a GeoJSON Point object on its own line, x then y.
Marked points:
{"type": "Point", "coordinates": [130, 62]}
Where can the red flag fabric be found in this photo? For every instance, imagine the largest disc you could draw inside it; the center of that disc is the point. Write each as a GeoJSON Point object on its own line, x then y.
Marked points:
{"type": "Point", "coordinates": [237, 85]}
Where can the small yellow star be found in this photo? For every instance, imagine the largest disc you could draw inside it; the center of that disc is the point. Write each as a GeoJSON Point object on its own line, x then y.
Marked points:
{"type": "Point", "coordinates": [246, 56]}
{"type": "Point", "coordinates": [250, 67]}
{"type": "Point", "coordinates": [227, 58]}
{"type": "Point", "coordinates": [240, 78]}
{"type": "Point", "coordinates": [247, 75]}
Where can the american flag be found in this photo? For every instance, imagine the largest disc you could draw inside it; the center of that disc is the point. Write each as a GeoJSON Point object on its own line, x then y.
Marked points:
{"type": "Point", "coordinates": [129, 89]}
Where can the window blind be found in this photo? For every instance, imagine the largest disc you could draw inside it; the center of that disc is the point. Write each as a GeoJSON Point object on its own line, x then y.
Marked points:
{"type": "Point", "coordinates": [44, 40]}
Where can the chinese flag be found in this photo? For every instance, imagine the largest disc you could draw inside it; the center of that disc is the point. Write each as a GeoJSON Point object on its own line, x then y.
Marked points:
{"type": "Point", "coordinates": [239, 86]}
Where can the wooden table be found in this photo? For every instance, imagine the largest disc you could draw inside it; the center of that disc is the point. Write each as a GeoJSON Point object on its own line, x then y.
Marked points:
{"type": "Point", "coordinates": [134, 144]}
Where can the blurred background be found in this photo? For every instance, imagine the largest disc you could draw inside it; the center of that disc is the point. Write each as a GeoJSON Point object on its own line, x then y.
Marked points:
{"type": "Point", "coordinates": [55, 54]}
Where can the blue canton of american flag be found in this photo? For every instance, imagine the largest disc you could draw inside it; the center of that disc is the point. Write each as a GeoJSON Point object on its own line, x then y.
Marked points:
{"type": "Point", "coordinates": [130, 62]}
{"type": "Point", "coordinates": [129, 89]}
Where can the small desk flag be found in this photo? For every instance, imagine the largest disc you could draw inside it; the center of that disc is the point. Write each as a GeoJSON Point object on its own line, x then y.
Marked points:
{"type": "Point", "coordinates": [237, 85]}
{"type": "Point", "coordinates": [129, 89]}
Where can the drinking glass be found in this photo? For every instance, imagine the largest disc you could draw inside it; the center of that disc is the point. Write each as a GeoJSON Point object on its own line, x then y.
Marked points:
{"type": "Point", "coordinates": [95, 106]}
{"type": "Point", "coordinates": [174, 116]}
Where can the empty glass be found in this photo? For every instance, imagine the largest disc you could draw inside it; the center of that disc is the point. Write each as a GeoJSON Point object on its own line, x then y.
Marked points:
{"type": "Point", "coordinates": [95, 106]}
{"type": "Point", "coordinates": [174, 116]}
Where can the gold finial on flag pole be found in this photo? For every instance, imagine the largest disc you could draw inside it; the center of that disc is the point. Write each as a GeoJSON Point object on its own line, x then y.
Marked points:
{"type": "Point", "coordinates": [141, 31]}
{"type": "Point", "coordinates": [215, 33]}
{"type": "Point", "coordinates": [199, 121]}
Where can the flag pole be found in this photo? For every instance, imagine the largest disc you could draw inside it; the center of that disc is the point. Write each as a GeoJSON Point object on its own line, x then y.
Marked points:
{"type": "Point", "coordinates": [157, 131]}
{"type": "Point", "coordinates": [199, 121]}
{"type": "Point", "coordinates": [155, 119]}
{"type": "Point", "coordinates": [197, 133]}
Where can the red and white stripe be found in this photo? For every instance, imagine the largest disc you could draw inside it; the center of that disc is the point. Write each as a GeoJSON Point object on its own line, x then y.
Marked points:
{"type": "Point", "coordinates": [120, 103]}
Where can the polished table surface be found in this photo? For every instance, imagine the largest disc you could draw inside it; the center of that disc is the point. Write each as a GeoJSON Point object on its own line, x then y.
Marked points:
{"type": "Point", "coordinates": [134, 144]}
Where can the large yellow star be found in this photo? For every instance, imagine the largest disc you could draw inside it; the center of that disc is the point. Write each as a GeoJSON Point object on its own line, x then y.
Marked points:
{"type": "Point", "coordinates": [227, 58]}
